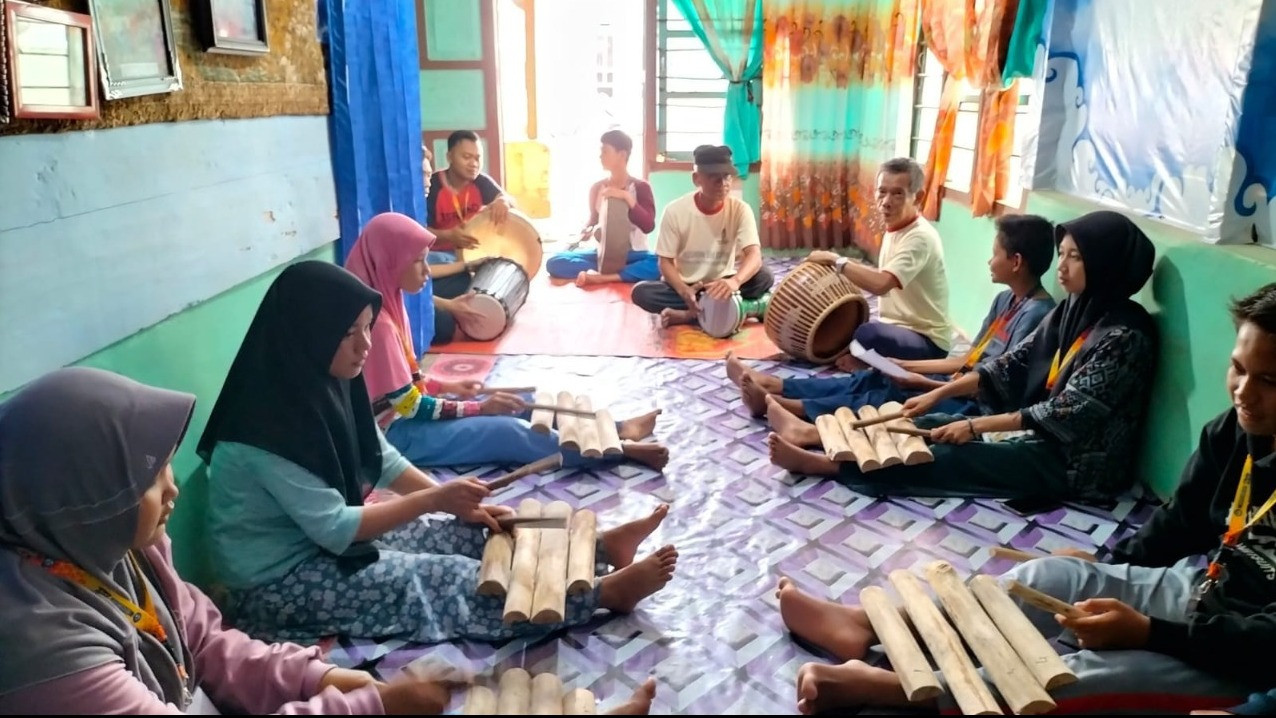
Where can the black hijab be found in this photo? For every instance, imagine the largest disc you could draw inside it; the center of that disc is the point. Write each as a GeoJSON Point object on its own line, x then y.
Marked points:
{"type": "Point", "coordinates": [1118, 260]}
{"type": "Point", "coordinates": [280, 395]}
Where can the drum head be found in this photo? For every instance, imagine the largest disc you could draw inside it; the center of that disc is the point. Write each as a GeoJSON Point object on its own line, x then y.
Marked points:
{"type": "Point", "coordinates": [517, 239]}
{"type": "Point", "coordinates": [491, 320]}
{"type": "Point", "coordinates": [613, 246]}
{"type": "Point", "coordinates": [720, 318]}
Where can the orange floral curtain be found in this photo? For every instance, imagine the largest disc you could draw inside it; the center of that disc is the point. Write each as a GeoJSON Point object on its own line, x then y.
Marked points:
{"type": "Point", "coordinates": [833, 73]}
{"type": "Point", "coordinates": [970, 39]}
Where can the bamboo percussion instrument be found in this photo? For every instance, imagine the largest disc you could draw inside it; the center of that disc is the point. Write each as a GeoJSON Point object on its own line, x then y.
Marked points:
{"type": "Point", "coordinates": [581, 427]}
{"type": "Point", "coordinates": [565, 418]}
{"type": "Point", "coordinates": [520, 693]}
{"type": "Point", "coordinates": [870, 443]}
{"type": "Point", "coordinates": [1035, 651]}
{"type": "Point", "coordinates": [861, 448]}
{"type": "Point", "coordinates": [814, 312]}
{"type": "Point", "coordinates": [883, 444]}
{"type": "Point", "coordinates": [1043, 601]}
{"type": "Point", "coordinates": [587, 431]}
{"type": "Point", "coordinates": [543, 419]}
{"type": "Point", "coordinates": [912, 447]}
{"type": "Point", "coordinates": [1016, 684]}
{"type": "Point", "coordinates": [548, 463]}
{"type": "Point", "coordinates": [906, 657]}
{"type": "Point", "coordinates": [535, 570]}
{"type": "Point", "coordinates": [1012, 554]}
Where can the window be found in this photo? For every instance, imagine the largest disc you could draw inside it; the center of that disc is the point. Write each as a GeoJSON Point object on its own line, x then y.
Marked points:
{"type": "Point", "coordinates": [928, 89]}
{"type": "Point", "coordinates": [691, 91]}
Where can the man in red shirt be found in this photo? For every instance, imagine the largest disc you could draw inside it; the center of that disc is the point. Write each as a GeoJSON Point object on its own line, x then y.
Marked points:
{"type": "Point", "coordinates": [455, 195]}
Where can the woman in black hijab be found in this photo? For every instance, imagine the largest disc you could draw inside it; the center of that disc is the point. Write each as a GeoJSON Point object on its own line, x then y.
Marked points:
{"type": "Point", "coordinates": [1079, 384]}
{"type": "Point", "coordinates": [293, 449]}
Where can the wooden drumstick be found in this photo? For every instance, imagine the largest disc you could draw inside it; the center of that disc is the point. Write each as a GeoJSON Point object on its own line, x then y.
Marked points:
{"type": "Point", "coordinates": [518, 601]}
{"type": "Point", "coordinates": [1013, 554]}
{"type": "Point", "coordinates": [548, 463]}
{"type": "Point", "coordinates": [507, 389]}
{"type": "Point", "coordinates": [580, 702]}
{"type": "Point", "coordinates": [1016, 684]}
{"type": "Point", "coordinates": [906, 657]}
{"type": "Point", "coordinates": [549, 599]}
{"type": "Point", "coordinates": [1037, 653]}
{"type": "Point", "coordinates": [909, 431]}
{"type": "Point", "coordinates": [480, 701]}
{"type": "Point", "coordinates": [1044, 601]}
{"type": "Point", "coordinates": [516, 693]}
{"type": "Point", "coordinates": [879, 419]}
{"type": "Point", "coordinates": [547, 695]}
{"type": "Point", "coordinates": [967, 686]}
{"type": "Point", "coordinates": [571, 411]}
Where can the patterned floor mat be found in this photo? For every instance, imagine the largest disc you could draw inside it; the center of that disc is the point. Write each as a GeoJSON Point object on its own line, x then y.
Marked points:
{"type": "Point", "coordinates": [713, 638]}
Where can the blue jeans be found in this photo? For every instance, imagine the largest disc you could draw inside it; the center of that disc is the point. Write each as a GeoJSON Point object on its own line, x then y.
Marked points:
{"type": "Point", "coordinates": [866, 387]}
{"type": "Point", "coordinates": [640, 265]}
{"type": "Point", "coordinates": [896, 342]}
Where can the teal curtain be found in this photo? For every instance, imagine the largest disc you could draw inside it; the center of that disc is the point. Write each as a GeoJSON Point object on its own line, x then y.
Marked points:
{"type": "Point", "coordinates": [731, 31]}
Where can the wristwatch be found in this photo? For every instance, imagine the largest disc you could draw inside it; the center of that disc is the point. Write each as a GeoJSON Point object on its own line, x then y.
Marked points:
{"type": "Point", "coordinates": [840, 263]}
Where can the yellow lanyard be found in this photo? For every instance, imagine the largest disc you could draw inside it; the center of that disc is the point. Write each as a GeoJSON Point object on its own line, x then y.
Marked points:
{"type": "Point", "coordinates": [1237, 523]}
{"type": "Point", "coordinates": [977, 352]}
{"type": "Point", "coordinates": [1056, 367]}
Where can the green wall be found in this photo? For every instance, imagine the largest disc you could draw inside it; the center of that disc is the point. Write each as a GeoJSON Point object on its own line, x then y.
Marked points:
{"type": "Point", "coordinates": [668, 185]}
{"type": "Point", "coordinates": [1190, 288]}
{"type": "Point", "coordinates": [192, 352]}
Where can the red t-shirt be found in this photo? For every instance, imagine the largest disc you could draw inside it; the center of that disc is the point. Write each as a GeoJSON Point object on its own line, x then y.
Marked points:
{"type": "Point", "coordinates": [447, 208]}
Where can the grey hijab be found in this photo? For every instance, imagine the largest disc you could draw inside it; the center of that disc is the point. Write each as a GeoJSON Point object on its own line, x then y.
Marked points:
{"type": "Point", "coordinates": [78, 448]}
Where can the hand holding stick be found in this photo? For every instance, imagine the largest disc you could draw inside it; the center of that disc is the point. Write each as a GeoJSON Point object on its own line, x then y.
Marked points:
{"type": "Point", "coordinates": [546, 464]}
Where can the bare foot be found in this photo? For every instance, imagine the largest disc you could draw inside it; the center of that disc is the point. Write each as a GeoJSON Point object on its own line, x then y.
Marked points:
{"type": "Point", "coordinates": [753, 396]}
{"type": "Point", "coordinates": [737, 371]}
{"type": "Point", "coordinates": [622, 542]}
{"type": "Point", "coordinates": [788, 426]}
{"type": "Point", "coordinates": [841, 631]}
{"type": "Point", "coordinates": [674, 317]}
{"type": "Point", "coordinates": [639, 704]}
{"type": "Point", "coordinates": [735, 368]}
{"type": "Point", "coordinates": [798, 460]}
{"type": "Point", "coordinates": [822, 687]}
{"type": "Point", "coordinates": [586, 278]}
{"type": "Point", "coordinates": [647, 453]}
{"type": "Point", "coordinates": [638, 427]}
{"type": "Point", "coordinates": [621, 591]}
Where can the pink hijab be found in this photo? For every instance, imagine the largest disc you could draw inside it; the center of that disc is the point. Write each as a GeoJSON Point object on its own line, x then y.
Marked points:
{"type": "Point", "coordinates": [388, 243]}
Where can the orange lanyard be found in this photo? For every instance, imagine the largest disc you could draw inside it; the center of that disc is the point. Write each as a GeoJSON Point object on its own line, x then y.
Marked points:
{"type": "Point", "coordinates": [456, 202]}
{"type": "Point", "coordinates": [1237, 524]}
{"type": "Point", "coordinates": [977, 352]}
{"type": "Point", "coordinates": [145, 618]}
{"type": "Point", "coordinates": [1056, 366]}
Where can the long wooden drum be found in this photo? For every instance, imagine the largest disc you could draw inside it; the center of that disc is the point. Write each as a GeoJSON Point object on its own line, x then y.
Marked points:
{"type": "Point", "coordinates": [814, 312]}
{"type": "Point", "coordinates": [517, 239]}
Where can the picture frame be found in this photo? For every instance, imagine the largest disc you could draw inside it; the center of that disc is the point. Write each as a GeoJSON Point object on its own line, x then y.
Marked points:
{"type": "Point", "coordinates": [137, 50]}
{"type": "Point", "coordinates": [50, 62]}
{"type": "Point", "coordinates": [5, 101]}
{"type": "Point", "coordinates": [231, 27]}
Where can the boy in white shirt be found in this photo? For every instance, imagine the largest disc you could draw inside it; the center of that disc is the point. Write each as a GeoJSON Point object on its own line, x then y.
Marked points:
{"type": "Point", "coordinates": [708, 243]}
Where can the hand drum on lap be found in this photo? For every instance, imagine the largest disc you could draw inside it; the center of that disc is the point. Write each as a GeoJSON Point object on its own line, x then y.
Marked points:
{"type": "Point", "coordinates": [500, 288]}
{"type": "Point", "coordinates": [613, 246]}
{"type": "Point", "coordinates": [721, 318]}
{"type": "Point", "coordinates": [814, 312]}
{"type": "Point", "coordinates": [517, 240]}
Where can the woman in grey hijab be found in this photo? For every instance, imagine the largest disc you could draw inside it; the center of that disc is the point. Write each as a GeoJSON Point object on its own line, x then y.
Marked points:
{"type": "Point", "coordinates": [93, 616]}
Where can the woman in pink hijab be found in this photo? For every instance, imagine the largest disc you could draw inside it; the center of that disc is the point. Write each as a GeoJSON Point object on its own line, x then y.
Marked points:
{"type": "Point", "coordinates": [390, 257]}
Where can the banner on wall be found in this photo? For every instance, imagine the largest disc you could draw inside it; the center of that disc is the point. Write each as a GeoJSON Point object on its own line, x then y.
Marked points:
{"type": "Point", "coordinates": [1142, 109]}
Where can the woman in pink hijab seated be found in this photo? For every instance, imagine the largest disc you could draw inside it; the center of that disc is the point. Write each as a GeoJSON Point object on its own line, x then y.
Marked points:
{"type": "Point", "coordinates": [93, 617]}
{"type": "Point", "coordinates": [426, 428]}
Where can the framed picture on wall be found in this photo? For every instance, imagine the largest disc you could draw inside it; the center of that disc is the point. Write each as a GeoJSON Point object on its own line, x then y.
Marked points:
{"type": "Point", "coordinates": [4, 67]}
{"type": "Point", "coordinates": [235, 27]}
{"type": "Point", "coordinates": [50, 63]}
{"type": "Point", "coordinates": [137, 52]}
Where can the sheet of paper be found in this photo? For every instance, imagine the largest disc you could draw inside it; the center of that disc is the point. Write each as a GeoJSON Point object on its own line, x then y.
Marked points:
{"type": "Point", "coordinates": [877, 361]}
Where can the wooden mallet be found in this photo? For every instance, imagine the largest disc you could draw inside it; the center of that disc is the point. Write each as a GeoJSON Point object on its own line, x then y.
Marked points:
{"type": "Point", "coordinates": [548, 463]}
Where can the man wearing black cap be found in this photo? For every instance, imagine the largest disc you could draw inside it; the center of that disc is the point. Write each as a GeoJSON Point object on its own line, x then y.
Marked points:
{"type": "Point", "coordinates": [708, 243]}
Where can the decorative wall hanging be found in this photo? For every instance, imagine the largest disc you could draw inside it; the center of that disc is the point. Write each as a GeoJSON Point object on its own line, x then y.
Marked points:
{"type": "Point", "coordinates": [137, 52]}
{"type": "Point", "coordinates": [50, 63]}
{"type": "Point", "coordinates": [234, 27]}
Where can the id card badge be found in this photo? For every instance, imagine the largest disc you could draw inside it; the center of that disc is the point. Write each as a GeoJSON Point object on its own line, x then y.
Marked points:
{"type": "Point", "coordinates": [1202, 590]}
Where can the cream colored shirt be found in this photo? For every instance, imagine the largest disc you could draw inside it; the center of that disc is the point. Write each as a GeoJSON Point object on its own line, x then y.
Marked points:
{"type": "Point", "coordinates": [915, 256]}
{"type": "Point", "coordinates": [705, 246]}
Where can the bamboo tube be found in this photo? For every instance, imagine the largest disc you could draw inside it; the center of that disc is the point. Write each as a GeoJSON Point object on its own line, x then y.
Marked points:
{"type": "Point", "coordinates": [547, 695]}
{"type": "Point", "coordinates": [965, 683]}
{"type": "Point", "coordinates": [543, 419]}
{"type": "Point", "coordinates": [498, 560]}
{"type": "Point", "coordinates": [906, 657]}
{"type": "Point", "coordinates": [587, 429]}
{"type": "Point", "coordinates": [832, 438]}
{"type": "Point", "coordinates": [1012, 554]}
{"type": "Point", "coordinates": [515, 696]}
{"type": "Point", "coordinates": [883, 444]}
{"type": "Point", "coordinates": [580, 552]}
{"type": "Point", "coordinates": [518, 601]}
{"type": "Point", "coordinates": [480, 701]}
{"type": "Point", "coordinates": [580, 702]}
{"type": "Point", "coordinates": [566, 417]}
{"type": "Point", "coordinates": [1016, 684]}
{"type": "Point", "coordinates": [608, 436]}
{"type": "Point", "coordinates": [857, 440]}
{"type": "Point", "coordinates": [549, 599]}
{"type": "Point", "coordinates": [1035, 651]}
{"type": "Point", "coordinates": [910, 441]}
